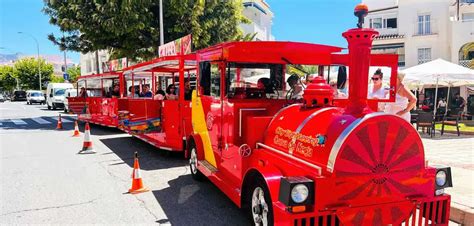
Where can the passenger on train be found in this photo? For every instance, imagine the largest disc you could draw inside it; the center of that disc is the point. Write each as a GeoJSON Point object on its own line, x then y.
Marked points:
{"type": "Point", "coordinates": [337, 93]}
{"type": "Point", "coordinates": [188, 91]}
{"type": "Point", "coordinates": [146, 91]}
{"type": "Point", "coordinates": [116, 91]}
{"type": "Point", "coordinates": [83, 92]}
{"type": "Point", "coordinates": [160, 95]}
{"type": "Point", "coordinates": [131, 92]}
{"type": "Point", "coordinates": [170, 92]}
{"type": "Point", "coordinates": [296, 89]}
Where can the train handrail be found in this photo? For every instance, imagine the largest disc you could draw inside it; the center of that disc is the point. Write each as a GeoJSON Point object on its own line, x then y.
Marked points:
{"type": "Point", "coordinates": [311, 165]}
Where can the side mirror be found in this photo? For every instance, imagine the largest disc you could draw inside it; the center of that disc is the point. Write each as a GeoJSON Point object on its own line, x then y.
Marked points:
{"type": "Point", "coordinates": [341, 77]}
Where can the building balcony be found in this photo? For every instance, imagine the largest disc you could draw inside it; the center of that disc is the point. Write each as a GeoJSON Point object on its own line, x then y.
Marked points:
{"type": "Point", "coordinates": [467, 63]}
{"type": "Point", "coordinates": [262, 34]}
{"type": "Point", "coordinates": [425, 28]}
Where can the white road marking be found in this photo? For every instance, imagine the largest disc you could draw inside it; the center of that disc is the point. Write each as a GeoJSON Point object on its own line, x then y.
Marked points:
{"type": "Point", "coordinates": [65, 120]}
{"type": "Point", "coordinates": [18, 122]}
{"type": "Point", "coordinates": [40, 120]}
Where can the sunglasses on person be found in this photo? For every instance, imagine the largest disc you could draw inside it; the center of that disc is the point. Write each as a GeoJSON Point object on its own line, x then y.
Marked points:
{"type": "Point", "coordinates": [375, 79]}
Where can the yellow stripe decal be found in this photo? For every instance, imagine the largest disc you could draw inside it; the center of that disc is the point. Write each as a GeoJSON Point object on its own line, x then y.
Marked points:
{"type": "Point", "coordinates": [199, 127]}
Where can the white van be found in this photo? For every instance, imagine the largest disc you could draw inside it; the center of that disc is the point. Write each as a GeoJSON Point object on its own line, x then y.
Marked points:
{"type": "Point", "coordinates": [55, 94]}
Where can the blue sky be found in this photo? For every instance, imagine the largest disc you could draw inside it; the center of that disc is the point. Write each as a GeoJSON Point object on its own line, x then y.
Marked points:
{"type": "Point", "coordinates": [316, 21]}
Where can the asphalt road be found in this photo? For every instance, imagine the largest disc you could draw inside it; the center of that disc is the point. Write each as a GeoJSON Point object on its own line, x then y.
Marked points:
{"type": "Point", "coordinates": [44, 180]}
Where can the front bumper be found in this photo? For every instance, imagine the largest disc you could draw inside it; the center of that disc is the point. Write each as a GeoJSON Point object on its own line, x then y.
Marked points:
{"type": "Point", "coordinates": [36, 101]}
{"type": "Point", "coordinates": [431, 211]}
{"type": "Point", "coordinates": [58, 104]}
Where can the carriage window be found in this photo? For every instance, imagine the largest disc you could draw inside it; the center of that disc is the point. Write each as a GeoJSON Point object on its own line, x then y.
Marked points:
{"type": "Point", "coordinates": [210, 79]}
{"type": "Point", "coordinates": [250, 81]}
{"type": "Point", "coordinates": [94, 88]}
{"type": "Point", "coordinates": [379, 83]}
{"type": "Point", "coordinates": [338, 78]}
{"type": "Point", "coordinates": [215, 81]}
{"type": "Point", "coordinates": [80, 84]}
{"type": "Point", "coordinates": [111, 87]}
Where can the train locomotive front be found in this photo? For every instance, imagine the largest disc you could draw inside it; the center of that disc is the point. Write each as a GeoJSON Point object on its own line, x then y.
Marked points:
{"type": "Point", "coordinates": [350, 165]}
{"type": "Point", "coordinates": [372, 168]}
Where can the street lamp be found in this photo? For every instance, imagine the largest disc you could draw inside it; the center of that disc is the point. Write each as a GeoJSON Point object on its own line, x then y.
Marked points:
{"type": "Point", "coordinates": [37, 48]}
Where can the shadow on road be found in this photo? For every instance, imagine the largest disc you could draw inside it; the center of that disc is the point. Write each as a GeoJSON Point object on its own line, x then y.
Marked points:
{"type": "Point", "coordinates": [151, 158]}
{"type": "Point", "coordinates": [98, 130]}
{"type": "Point", "coordinates": [50, 123]}
{"type": "Point", "coordinates": [188, 202]}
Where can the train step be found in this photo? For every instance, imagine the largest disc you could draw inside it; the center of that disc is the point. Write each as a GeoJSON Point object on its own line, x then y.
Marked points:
{"type": "Point", "coordinates": [208, 166]}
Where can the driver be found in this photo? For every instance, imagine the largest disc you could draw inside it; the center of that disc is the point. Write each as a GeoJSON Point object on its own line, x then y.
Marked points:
{"type": "Point", "coordinates": [296, 89]}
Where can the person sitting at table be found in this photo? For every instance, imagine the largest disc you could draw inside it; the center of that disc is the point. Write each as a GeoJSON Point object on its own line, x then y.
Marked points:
{"type": "Point", "coordinates": [458, 103]}
{"type": "Point", "coordinates": [442, 106]}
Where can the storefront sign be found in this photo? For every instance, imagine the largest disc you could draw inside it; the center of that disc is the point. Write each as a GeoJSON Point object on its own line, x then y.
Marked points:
{"type": "Point", "coordinates": [115, 65]}
{"type": "Point", "coordinates": [176, 47]}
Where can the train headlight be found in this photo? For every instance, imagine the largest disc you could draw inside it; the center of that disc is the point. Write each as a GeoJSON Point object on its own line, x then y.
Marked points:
{"type": "Point", "coordinates": [443, 179]}
{"type": "Point", "coordinates": [296, 191]}
{"type": "Point", "coordinates": [440, 178]}
{"type": "Point", "coordinates": [299, 193]}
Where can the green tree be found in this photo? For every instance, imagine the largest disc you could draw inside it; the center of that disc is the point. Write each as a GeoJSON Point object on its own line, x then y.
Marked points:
{"type": "Point", "coordinates": [26, 70]}
{"type": "Point", "coordinates": [131, 28]}
{"type": "Point", "coordinates": [74, 73]}
{"type": "Point", "coordinates": [7, 78]}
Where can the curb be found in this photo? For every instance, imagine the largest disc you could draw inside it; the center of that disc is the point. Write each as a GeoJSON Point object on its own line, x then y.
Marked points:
{"type": "Point", "coordinates": [455, 132]}
{"type": "Point", "coordinates": [461, 214]}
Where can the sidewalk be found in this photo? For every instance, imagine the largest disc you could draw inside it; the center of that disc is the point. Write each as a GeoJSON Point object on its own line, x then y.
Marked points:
{"type": "Point", "coordinates": [458, 153]}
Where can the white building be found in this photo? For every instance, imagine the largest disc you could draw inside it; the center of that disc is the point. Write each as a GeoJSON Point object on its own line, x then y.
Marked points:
{"type": "Point", "coordinates": [257, 11]}
{"type": "Point", "coordinates": [261, 17]}
{"type": "Point", "coordinates": [423, 30]}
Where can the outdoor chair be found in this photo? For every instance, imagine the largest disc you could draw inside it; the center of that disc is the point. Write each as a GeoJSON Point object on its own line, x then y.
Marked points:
{"type": "Point", "coordinates": [425, 120]}
{"type": "Point", "coordinates": [414, 116]}
{"type": "Point", "coordinates": [452, 120]}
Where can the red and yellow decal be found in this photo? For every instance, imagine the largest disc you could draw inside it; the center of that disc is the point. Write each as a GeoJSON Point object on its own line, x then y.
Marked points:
{"type": "Point", "coordinates": [200, 127]}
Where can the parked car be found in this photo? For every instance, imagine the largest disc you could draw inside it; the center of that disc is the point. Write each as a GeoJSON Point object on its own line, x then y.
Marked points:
{"type": "Point", "coordinates": [2, 99]}
{"type": "Point", "coordinates": [35, 96]}
{"type": "Point", "coordinates": [69, 93]}
{"type": "Point", "coordinates": [19, 95]}
{"type": "Point", "coordinates": [55, 94]}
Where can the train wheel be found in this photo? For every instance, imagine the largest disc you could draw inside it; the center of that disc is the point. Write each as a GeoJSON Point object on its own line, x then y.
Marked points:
{"type": "Point", "coordinates": [193, 161]}
{"type": "Point", "coordinates": [260, 203]}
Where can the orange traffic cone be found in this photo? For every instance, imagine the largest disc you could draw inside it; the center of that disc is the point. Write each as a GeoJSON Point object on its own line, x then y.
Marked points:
{"type": "Point", "coordinates": [60, 123]}
{"type": "Point", "coordinates": [137, 183]}
{"type": "Point", "coordinates": [76, 130]}
{"type": "Point", "coordinates": [87, 146]}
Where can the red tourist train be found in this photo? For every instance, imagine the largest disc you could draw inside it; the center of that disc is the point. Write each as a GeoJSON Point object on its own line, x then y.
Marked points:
{"type": "Point", "coordinates": [322, 156]}
{"type": "Point", "coordinates": [324, 161]}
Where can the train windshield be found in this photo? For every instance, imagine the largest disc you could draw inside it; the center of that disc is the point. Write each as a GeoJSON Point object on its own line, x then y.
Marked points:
{"type": "Point", "coordinates": [249, 81]}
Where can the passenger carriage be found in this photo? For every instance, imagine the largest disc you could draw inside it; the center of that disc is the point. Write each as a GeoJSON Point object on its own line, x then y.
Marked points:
{"type": "Point", "coordinates": [164, 123]}
{"type": "Point", "coordinates": [322, 161]}
{"type": "Point", "coordinates": [97, 101]}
